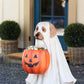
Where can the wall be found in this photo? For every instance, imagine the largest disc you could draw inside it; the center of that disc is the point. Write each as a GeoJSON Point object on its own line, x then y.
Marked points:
{"type": "Point", "coordinates": [80, 11]}
{"type": "Point", "coordinates": [22, 11]}
{"type": "Point", "coordinates": [13, 10]}
{"type": "Point", "coordinates": [76, 11]}
{"type": "Point", "coordinates": [72, 11]}
{"type": "Point", "coordinates": [28, 22]}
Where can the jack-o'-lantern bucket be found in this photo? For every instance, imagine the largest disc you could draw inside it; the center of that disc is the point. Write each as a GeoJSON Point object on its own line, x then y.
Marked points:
{"type": "Point", "coordinates": [35, 61]}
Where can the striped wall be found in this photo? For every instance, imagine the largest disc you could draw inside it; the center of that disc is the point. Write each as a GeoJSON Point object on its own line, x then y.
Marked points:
{"type": "Point", "coordinates": [72, 11]}
{"type": "Point", "coordinates": [13, 10]}
{"type": "Point", "coordinates": [80, 11]}
{"type": "Point", "coordinates": [28, 23]}
{"type": "Point", "coordinates": [22, 11]}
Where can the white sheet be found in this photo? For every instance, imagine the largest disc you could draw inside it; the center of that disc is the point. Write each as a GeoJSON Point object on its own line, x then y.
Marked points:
{"type": "Point", "coordinates": [58, 71]}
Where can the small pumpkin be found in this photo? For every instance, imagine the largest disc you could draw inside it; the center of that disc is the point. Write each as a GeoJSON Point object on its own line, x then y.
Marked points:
{"type": "Point", "coordinates": [35, 61]}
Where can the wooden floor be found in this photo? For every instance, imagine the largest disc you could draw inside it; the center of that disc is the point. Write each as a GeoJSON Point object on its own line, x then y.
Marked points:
{"type": "Point", "coordinates": [16, 55]}
{"type": "Point", "coordinates": [19, 55]}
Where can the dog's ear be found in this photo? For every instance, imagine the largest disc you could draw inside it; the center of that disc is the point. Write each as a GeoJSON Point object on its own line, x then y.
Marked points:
{"type": "Point", "coordinates": [53, 30]}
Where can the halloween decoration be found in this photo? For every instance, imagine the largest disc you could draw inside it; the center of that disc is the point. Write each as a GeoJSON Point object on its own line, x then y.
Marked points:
{"type": "Point", "coordinates": [35, 61]}
{"type": "Point", "coordinates": [58, 71]}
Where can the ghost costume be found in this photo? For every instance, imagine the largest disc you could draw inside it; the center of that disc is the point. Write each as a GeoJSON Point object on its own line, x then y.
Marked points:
{"type": "Point", "coordinates": [58, 71]}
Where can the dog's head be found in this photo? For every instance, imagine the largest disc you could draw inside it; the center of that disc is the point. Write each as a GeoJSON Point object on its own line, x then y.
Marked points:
{"type": "Point", "coordinates": [43, 28]}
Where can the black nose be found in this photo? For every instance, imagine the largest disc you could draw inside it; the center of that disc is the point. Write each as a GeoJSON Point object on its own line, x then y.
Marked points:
{"type": "Point", "coordinates": [37, 34]}
{"type": "Point", "coordinates": [30, 60]}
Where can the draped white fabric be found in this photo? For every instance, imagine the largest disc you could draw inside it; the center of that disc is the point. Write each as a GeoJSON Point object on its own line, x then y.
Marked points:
{"type": "Point", "coordinates": [58, 71]}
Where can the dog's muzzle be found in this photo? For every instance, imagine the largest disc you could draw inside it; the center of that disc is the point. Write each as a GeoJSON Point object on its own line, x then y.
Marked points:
{"type": "Point", "coordinates": [39, 36]}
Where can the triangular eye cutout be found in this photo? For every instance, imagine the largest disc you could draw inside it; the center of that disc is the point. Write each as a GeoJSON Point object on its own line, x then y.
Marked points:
{"type": "Point", "coordinates": [35, 56]}
{"type": "Point", "coordinates": [26, 56]}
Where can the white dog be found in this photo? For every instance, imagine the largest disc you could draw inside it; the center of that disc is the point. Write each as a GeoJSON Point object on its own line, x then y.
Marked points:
{"type": "Point", "coordinates": [58, 71]}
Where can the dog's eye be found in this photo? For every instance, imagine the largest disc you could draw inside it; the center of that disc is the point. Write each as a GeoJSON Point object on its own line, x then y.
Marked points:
{"type": "Point", "coordinates": [37, 28]}
{"type": "Point", "coordinates": [43, 29]}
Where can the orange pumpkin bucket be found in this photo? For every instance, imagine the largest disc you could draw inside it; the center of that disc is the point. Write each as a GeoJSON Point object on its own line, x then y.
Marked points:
{"type": "Point", "coordinates": [35, 61]}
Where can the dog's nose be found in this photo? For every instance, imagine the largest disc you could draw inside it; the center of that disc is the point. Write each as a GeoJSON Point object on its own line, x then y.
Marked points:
{"type": "Point", "coordinates": [37, 34]}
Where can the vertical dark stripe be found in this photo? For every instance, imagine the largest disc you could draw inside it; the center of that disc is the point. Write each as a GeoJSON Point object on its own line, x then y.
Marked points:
{"type": "Point", "coordinates": [66, 13]}
{"type": "Point", "coordinates": [36, 13]}
{"type": "Point", "coordinates": [52, 8]}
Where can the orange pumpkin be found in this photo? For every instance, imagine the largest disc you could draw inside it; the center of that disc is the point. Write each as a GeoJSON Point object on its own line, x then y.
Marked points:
{"type": "Point", "coordinates": [35, 61]}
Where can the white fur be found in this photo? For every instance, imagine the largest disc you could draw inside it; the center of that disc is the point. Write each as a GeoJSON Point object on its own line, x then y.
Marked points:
{"type": "Point", "coordinates": [58, 71]}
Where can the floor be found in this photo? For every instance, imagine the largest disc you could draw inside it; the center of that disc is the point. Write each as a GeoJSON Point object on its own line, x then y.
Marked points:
{"type": "Point", "coordinates": [14, 73]}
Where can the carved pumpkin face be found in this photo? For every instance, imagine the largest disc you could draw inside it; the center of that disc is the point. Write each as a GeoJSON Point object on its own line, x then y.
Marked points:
{"type": "Point", "coordinates": [31, 64]}
{"type": "Point", "coordinates": [35, 61]}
